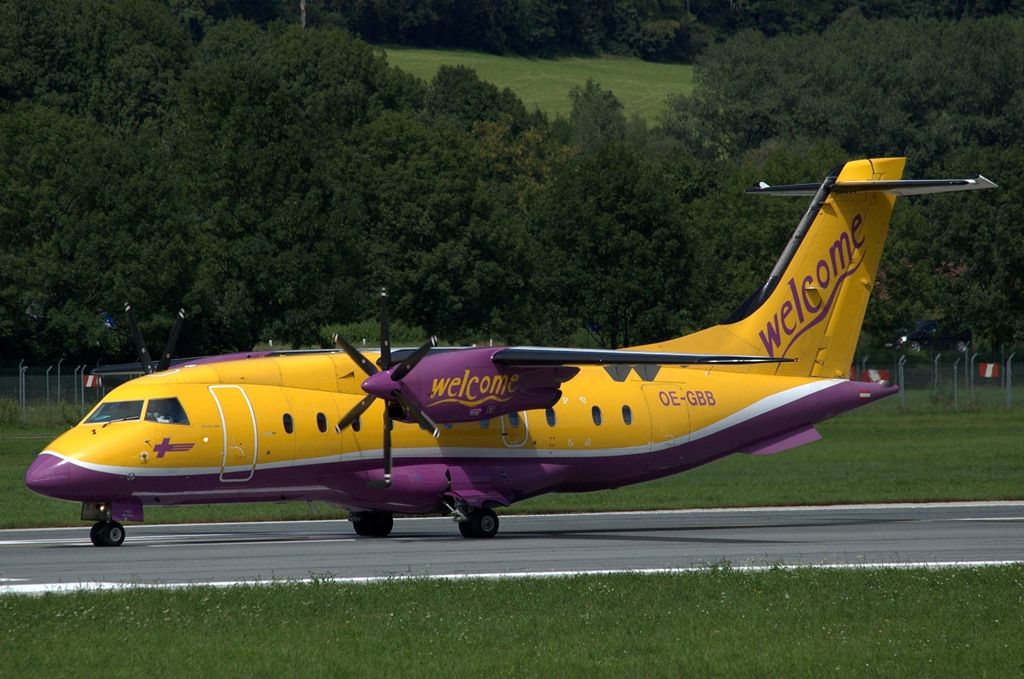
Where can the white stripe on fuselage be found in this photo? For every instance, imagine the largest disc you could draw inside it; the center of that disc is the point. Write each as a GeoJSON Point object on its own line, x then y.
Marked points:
{"type": "Point", "coordinates": [761, 407]}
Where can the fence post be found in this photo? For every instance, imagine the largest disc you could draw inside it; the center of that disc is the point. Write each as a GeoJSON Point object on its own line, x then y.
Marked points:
{"type": "Point", "coordinates": [970, 371]}
{"type": "Point", "coordinates": [48, 386]}
{"type": "Point", "coordinates": [863, 365]}
{"type": "Point", "coordinates": [58, 380]}
{"type": "Point", "coordinates": [935, 371]}
{"type": "Point", "coordinates": [75, 381]}
{"type": "Point", "coordinates": [22, 397]}
{"type": "Point", "coordinates": [1009, 381]}
{"type": "Point", "coordinates": [81, 390]}
{"type": "Point", "coordinates": [956, 396]}
{"type": "Point", "coordinates": [903, 381]}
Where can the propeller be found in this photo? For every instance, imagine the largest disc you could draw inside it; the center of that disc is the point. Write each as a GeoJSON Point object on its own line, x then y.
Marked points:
{"type": "Point", "coordinates": [140, 343]}
{"type": "Point", "coordinates": [386, 384]}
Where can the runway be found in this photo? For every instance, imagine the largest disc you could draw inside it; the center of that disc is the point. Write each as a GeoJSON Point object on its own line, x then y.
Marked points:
{"type": "Point", "coordinates": [35, 560]}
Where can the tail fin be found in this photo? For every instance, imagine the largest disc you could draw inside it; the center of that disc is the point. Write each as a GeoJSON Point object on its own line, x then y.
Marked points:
{"type": "Point", "coordinates": [812, 306]}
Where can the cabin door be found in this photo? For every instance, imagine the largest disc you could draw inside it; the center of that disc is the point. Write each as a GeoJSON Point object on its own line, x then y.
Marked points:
{"type": "Point", "coordinates": [670, 422]}
{"type": "Point", "coordinates": [238, 426]}
{"type": "Point", "coordinates": [515, 429]}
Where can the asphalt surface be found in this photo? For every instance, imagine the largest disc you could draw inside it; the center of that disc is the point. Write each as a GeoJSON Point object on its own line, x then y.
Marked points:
{"type": "Point", "coordinates": [42, 559]}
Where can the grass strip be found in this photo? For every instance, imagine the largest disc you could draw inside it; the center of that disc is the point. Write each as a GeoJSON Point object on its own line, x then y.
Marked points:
{"type": "Point", "coordinates": [888, 622]}
{"type": "Point", "coordinates": [641, 86]}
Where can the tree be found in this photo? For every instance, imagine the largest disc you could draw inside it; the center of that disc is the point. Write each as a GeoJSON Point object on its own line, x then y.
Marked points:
{"type": "Point", "coordinates": [614, 256]}
{"type": "Point", "coordinates": [596, 117]}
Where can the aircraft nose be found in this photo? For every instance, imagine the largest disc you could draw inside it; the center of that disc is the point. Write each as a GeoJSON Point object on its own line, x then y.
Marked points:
{"type": "Point", "coordinates": [48, 475]}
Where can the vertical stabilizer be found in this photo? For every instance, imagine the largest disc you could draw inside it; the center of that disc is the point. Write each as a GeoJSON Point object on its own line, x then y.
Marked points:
{"type": "Point", "coordinates": [812, 306]}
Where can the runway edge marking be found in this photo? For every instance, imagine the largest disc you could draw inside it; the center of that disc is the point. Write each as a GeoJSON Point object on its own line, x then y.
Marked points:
{"type": "Point", "coordinates": [67, 588]}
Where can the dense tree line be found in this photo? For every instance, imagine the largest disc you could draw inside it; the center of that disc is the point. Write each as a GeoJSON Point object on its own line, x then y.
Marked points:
{"type": "Point", "coordinates": [270, 179]}
{"type": "Point", "coordinates": [673, 30]}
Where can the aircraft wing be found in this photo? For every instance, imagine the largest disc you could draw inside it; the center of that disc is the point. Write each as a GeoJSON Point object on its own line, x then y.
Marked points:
{"type": "Point", "coordinates": [552, 356]}
{"type": "Point", "coordinates": [557, 356]}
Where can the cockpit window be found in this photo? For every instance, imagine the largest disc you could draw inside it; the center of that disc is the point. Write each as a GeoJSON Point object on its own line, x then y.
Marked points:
{"type": "Point", "coordinates": [166, 411]}
{"type": "Point", "coordinates": [116, 411]}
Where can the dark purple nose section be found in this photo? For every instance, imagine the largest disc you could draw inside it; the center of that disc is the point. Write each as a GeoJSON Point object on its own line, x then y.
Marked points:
{"type": "Point", "coordinates": [49, 475]}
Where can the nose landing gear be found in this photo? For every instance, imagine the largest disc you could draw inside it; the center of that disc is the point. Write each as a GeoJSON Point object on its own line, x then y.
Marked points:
{"type": "Point", "coordinates": [107, 534]}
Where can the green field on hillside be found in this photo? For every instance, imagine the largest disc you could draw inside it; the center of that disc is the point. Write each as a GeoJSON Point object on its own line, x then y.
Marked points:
{"type": "Point", "coordinates": [544, 84]}
{"type": "Point", "coordinates": [954, 622]}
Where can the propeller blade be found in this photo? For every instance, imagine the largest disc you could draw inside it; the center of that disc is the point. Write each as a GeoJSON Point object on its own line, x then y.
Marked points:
{"type": "Point", "coordinates": [366, 364]}
{"type": "Point", "coordinates": [140, 343]}
{"type": "Point", "coordinates": [409, 363]}
{"type": "Point", "coordinates": [172, 341]}
{"type": "Point", "coordinates": [421, 417]}
{"type": "Point", "coordinates": [385, 334]}
{"type": "Point", "coordinates": [386, 483]}
{"type": "Point", "coordinates": [356, 411]}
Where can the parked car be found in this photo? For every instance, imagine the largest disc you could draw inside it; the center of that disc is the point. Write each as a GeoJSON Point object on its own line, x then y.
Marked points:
{"type": "Point", "coordinates": [931, 335]}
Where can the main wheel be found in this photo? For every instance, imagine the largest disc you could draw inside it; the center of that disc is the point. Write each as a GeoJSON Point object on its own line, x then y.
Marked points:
{"type": "Point", "coordinates": [107, 534]}
{"type": "Point", "coordinates": [94, 533]}
{"type": "Point", "coordinates": [373, 524]}
{"type": "Point", "coordinates": [483, 523]}
{"type": "Point", "coordinates": [466, 528]}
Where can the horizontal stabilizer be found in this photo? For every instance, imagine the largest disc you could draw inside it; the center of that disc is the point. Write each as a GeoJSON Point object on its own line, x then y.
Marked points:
{"type": "Point", "coordinates": [896, 187]}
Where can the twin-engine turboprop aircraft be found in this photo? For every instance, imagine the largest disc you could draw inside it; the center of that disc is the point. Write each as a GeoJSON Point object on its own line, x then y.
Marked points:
{"type": "Point", "coordinates": [464, 431]}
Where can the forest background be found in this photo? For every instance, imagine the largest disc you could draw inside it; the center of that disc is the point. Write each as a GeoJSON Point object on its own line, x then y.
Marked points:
{"type": "Point", "coordinates": [270, 176]}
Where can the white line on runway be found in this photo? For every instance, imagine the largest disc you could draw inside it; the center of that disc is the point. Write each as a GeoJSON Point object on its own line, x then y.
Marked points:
{"type": "Point", "coordinates": [68, 587]}
{"type": "Point", "coordinates": [76, 541]}
{"type": "Point", "coordinates": [702, 510]}
{"type": "Point", "coordinates": [269, 541]}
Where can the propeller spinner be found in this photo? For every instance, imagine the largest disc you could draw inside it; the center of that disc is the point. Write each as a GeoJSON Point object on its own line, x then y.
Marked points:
{"type": "Point", "coordinates": [386, 384]}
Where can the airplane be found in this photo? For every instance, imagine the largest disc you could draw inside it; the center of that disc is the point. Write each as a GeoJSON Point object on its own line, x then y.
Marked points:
{"type": "Point", "coordinates": [464, 431]}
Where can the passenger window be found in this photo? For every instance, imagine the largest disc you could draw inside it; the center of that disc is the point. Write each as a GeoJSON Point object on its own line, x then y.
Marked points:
{"type": "Point", "coordinates": [166, 411]}
{"type": "Point", "coordinates": [116, 411]}
{"type": "Point", "coordinates": [550, 415]}
{"type": "Point", "coordinates": [289, 426]}
{"type": "Point", "coordinates": [627, 415]}
{"type": "Point", "coordinates": [484, 424]}
{"type": "Point", "coordinates": [321, 422]}
{"type": "Point", "coordinates": [513, 420]}
{"type": "Point", "coordinates": [595, 412]}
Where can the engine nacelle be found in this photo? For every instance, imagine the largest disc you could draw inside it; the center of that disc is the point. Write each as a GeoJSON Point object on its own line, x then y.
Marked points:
{"type": "Point", "coordinates": [467, 385]}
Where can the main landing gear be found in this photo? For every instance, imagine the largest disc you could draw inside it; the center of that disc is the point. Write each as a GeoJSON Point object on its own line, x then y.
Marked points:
{"type": "Point", "coordinates": [107, 534]}
{"type": "Point", "coordinates": [481, 523]}
{"type": "Point", "coordinates": [474, 522]}
{"type": "Point", "coordinates": [372, 524]}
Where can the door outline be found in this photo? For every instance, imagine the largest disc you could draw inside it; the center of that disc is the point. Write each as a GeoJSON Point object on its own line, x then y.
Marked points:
{"type": "Point", "coordinates": [661, 435]}
{"type": "Point", "coordinates": [224, 430]}
{"type": "Point", "coordinates": [506, 426]}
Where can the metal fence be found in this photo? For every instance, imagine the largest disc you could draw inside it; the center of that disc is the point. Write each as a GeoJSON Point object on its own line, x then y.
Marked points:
{"type": "Point", "coordinates": [64, 382]}
{"type": "Point", "coordinates": [963, 378]}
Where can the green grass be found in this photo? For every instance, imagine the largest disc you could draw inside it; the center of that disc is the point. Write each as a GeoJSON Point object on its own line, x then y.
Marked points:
{"type": "Point", "coordinates": [875, 455]}
{"type": "Point", "coordinates": [544, 84]}
{"type": "Point", "coordinates": [813, 623]}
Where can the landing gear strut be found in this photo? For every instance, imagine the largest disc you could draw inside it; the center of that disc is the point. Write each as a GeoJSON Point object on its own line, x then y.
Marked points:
{"type": "Point", "coordinates": [372, 524]}
{"type": "Point", "coordinates": [107, 534]}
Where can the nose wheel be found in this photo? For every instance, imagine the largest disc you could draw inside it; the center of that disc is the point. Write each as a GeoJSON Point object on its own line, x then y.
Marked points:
{"type": "Point", "coordinates": [107, 534]}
